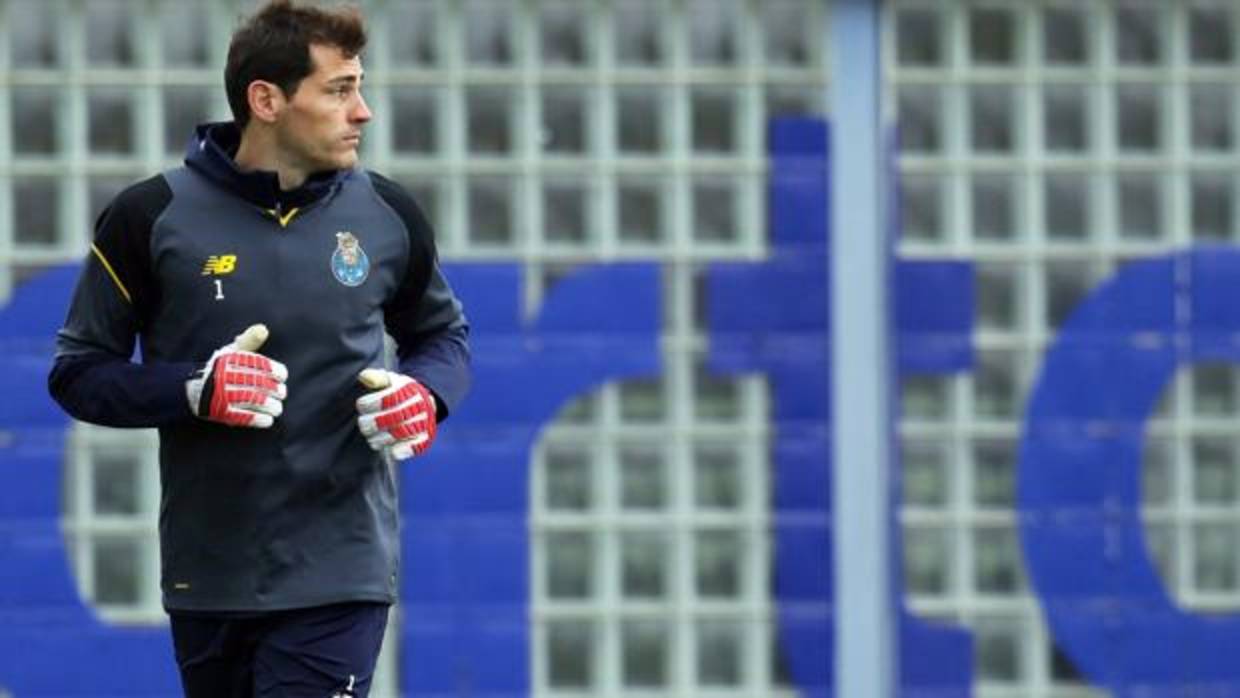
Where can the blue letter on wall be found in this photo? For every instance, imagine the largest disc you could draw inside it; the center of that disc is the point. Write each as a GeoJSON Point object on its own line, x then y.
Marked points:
{"type": "Point", "coordinates": [1080, 475]}
{"type": "Point", "coordinates": [51, 644]}
{"type": "Point", "coordinates": [773, 318]}
{"type": "Point", "coordinates": [465, 591]}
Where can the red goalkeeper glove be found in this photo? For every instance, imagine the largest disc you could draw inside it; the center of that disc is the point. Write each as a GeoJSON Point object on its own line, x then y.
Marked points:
{"type": "Point", "coordinates": [399, 416]}
{"type": "Point", "coordinates": [238, 386]}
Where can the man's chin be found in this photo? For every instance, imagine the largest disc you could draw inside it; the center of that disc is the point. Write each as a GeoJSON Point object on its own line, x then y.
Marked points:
{"type": "Point", "coordinates": [343, 159]}
{"type": "Point", "coordinates": [340, 162]}
{"type": "Point", "coordinates": [347, 160]}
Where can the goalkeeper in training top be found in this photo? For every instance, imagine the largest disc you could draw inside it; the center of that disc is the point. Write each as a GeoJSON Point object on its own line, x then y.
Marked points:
{"type": "Point", "coordinates": [261, 278]}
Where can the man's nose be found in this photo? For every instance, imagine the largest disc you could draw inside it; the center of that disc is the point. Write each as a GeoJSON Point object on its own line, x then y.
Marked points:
{"type": "Point", "coordinates": [361, 112]}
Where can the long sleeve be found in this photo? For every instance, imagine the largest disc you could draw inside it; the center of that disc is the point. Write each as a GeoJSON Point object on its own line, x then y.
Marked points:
{"type": "Point", "coordinates": [424, 317]}
{"type": "Point", "coordinates": [93, 377]}
{"type": "Point", "coordinates": [435, 344]}
{"type": "Point", "coordinates": [101, 389]}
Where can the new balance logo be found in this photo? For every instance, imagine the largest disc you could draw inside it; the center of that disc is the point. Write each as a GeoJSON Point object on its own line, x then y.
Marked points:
{"type": "Point", "coordinates": [218, 265]}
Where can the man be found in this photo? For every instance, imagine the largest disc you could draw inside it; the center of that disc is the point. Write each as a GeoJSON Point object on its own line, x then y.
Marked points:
{"type": "Point", "coordinates": [260, 278]}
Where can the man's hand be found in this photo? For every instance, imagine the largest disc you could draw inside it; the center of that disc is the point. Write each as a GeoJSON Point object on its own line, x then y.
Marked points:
{"type": "Point", "coordinates": [238, 386]}
{"type": "Point", "coordinates": [399, 416]}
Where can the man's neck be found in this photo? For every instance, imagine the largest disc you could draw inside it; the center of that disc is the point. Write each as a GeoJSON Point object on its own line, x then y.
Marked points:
{"type": "Point", "coordinates": [258, 152]}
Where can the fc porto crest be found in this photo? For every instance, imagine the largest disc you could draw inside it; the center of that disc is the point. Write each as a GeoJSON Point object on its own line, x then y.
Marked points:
{"type": "Point", "coordinates": [350, 265]}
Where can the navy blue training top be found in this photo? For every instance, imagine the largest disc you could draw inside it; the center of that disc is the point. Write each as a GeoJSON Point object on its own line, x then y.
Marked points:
{"type": "Point", "coordinates": [302, 514]}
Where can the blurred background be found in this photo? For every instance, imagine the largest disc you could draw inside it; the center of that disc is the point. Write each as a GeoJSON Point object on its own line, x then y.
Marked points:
{"type": "Point", "coordinates": [1044, 143]}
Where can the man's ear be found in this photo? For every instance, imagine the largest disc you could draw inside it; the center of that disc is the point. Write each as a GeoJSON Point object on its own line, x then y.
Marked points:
{"type": "Point", "coordinates": [266, 100]}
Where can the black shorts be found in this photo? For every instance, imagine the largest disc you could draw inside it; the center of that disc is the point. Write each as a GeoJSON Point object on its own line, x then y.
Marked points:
{"type": "Point", "coordinates": [323, 652]}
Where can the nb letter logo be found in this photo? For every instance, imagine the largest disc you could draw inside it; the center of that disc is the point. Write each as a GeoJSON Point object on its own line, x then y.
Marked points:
{"type": "Point", "coordinates": [219, 265]}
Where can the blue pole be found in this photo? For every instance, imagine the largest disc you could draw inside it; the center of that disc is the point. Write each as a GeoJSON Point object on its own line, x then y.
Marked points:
{"type": "Point", "coordinates": [866, 663]}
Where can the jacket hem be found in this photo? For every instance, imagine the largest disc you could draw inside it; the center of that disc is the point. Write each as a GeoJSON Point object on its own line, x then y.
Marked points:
{"type": "Point", "coordinates": [239, 607]}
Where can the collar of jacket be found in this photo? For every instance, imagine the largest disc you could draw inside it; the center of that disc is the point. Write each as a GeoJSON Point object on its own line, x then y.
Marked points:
{"type": "Point", "coordinates": [210, 152]}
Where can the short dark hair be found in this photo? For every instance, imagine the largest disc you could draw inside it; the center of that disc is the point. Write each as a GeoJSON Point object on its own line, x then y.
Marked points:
{"type": "Point", "coordinates": [274, 45]}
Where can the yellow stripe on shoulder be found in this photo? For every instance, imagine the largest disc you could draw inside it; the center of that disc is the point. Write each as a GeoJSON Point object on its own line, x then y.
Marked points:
{"type": "Point", "coordinates": [112, 273]}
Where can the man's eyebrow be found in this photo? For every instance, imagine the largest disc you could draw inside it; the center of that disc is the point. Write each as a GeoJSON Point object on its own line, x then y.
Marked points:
{"type": "Point", "coordinates": [348, 78]}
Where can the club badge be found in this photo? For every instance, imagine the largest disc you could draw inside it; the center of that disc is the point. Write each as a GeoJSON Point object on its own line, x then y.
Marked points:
{"type": "Point", "coordinates": [350, 265]}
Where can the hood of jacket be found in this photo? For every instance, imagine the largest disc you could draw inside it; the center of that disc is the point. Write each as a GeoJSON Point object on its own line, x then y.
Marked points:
{"type": "Point", "coordinates": [211, 151]}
